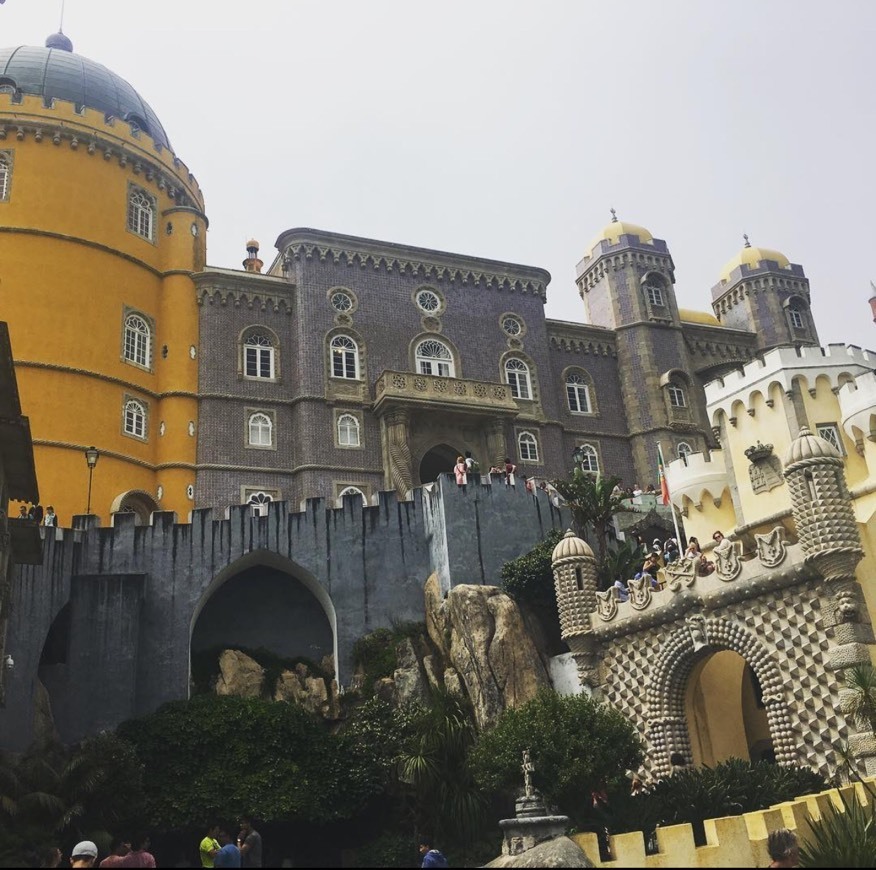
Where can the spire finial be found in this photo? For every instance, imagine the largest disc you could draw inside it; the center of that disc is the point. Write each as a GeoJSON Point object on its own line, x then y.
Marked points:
{"type": "Point", "coordinates": [61, 25]}
{"type": "Point", "coordinates": [613, 215]}
{"type": "Point", "coordinates": [747, 243]}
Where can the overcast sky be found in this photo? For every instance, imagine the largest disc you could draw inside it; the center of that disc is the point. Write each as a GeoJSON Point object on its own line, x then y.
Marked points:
{"type": "Point", "coordinates": [508, 129]}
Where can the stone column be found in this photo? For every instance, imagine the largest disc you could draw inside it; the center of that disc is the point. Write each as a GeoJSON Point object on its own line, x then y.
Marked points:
{"type": "Point", "coordinates": [400, 473]}
{"type": "Point", "coordinates": [497, 449]}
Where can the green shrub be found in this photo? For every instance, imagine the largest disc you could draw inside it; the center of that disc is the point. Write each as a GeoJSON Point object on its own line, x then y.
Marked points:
{"type": "Point", "coordinates": [376, 653]}
{"type": "Point", "coordinates": [843, 838]}
{"type": "Point", "coordinates": [530, 578]}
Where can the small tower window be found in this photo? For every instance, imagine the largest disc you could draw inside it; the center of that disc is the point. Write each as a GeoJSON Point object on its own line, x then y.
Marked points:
{"type": "Point", "coordinates": [589, 458]}
{"type": "Point", "coordinates": [654, 292]}
{"type": "Point", "coordinates": [258, 356]}
{"type": "Point", "coordinates": [527, 447]}
{"type": "Point", "coordinates": [810, 486]}
{"type": "Point", "coordinates": [138, 341]}
{"type": "Point", "coordinates": [345, 357]}
{"type": "Point", "coordinates": [141, 213]}
{"type": "Point", "coordinates": [135, 418]}
{"type": "Point", "coordinates": [434, 358]}
{"type": "Point", "coordinates": [351, 490]}
{"type": "Point", "coordinates": [579, 579]}
{"type": "Point", "coordinates": [684, 450]}
{"type": "Point", "coordinates": [578, 393]}
{"type": "Point", "coordinates": [348, 431]}
{"type": "Point", "coordinates": [428, 301]}
{"type": "Point", "coordinates": [5, 174]}
{"type": "Point", "coordinates": [677, 398]}
{"type": "Point", "coordinates": [797, 320]}
{"type": "Point", "coordinates": [830, 433]}
{"type": "Point", "coordinates": [261, 430]}
{"type": "Point", "coordinates": [341, 301]}
{"type": "Point", "coordinates": [258, 503]}
{"type": "Point", "coordinates": [517, 375]}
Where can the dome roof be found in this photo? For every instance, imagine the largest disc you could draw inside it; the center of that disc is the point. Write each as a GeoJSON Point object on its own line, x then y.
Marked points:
{"type": "Point", "coordinates": [55, 72]}
{"type": "Point", "coordinates": [752, 257]}
{"type": "Point", "coordinates": [809, 446]}
{"type": "Point", "coordinates": [686, 315]}
{"type": "Point", "coordinates": [571, 546]}
{"type": "Point", "coordinates": [613, 230]}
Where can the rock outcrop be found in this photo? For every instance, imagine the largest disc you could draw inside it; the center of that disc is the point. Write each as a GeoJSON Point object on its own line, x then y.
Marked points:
{"type": "Point", "coordinates": [410, 682]}
{"type": "Point", "coordinates": [239, 675]}
{"type": "Point", "coordinates": [313, 693]}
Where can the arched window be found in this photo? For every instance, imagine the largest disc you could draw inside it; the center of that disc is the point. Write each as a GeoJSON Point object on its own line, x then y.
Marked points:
{"type": "Point", "coordinates": [138, 340]}
{"type": "Point", "coordinates": [578, 393]}
{"type": "Point", "coordinates": [261, 430]}
{"type": "Point", "coordinates": [135, 418]}
{"type": "Point", "coordinates": [517, 375]}
{"type": "Point", "coordinates": [434, 358]}
{"type": "Point", "coordinates": [348, 431]}
{"type": "Point", "coordinates": [677, 398]}
{"type": "Point", "coordinates": [684, 450]}
{"type": "Point", "coordinates": [258, 356]}
{"type": "Point", "coordinates": [141, 213]}
{"type": "Point", "coordinates": [527, 447]}
{"type": "Point", "coordinates": [589, 460]}
{"type": "Point", "coordinates": [258, 503]}
{"type": "Point", "coordinates": [345, 358]}
{"type": "Point", "coordinates": [351, 490]}
{"type": "Point", "coordinates": [5, 172]}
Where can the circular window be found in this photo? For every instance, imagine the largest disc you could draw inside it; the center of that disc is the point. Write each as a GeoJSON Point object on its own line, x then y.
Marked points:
{"type": "Point", "coordinates": [512, 326]}
{"type": "Point", "coordinates": [428, 301]}
{"type": "Point", "coordinates": [341, 301]}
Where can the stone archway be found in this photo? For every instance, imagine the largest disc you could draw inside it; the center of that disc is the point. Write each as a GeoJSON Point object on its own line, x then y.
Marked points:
{"type": "Point", "coordinates": [439, 459]}
{"type": "Point", "coordinates": [263, 600]}
{"type": "Point", "coordinates": [136, 502]}
{"type": "Point", "coordinates": [682, 652]}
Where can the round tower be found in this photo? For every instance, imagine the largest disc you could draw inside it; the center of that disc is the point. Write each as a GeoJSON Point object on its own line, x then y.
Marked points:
{"type": "Point", "coordinates": [101, 228]}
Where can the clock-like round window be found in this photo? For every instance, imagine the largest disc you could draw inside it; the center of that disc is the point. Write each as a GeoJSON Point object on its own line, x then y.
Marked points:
{"type": "Point", "coordinates": [428, 301]}
{"type": "Point", "coordinates": [341, 301]}
{"type": "Point", "coordinates": [512, 326]}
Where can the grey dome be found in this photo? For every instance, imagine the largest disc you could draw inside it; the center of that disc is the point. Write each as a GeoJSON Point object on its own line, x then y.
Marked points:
{"type": "Point", "coordinates": [59, 40]}
{"type": "Point", "coordinates": [58, 73]}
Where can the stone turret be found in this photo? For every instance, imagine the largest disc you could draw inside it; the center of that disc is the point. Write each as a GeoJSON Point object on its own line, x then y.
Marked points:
{"type": "Point", "coordinates": [574, 567]}
{"type": "Point", "coordinates": [828, 532]}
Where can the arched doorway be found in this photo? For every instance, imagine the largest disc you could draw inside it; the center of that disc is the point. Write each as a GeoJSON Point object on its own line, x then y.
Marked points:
{"type": "Point", "coordinates": [136, 502]}
{"type": "Point", "coordinates": [267, 605]}
{"type": "Point", "coordinates": [438, 460]}
{"type": "Point", "coordinates": [725, 712]}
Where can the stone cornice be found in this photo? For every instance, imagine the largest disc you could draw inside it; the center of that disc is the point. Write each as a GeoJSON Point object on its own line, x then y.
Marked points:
{"type": "Point", "coordinates": [251, 289]}
{"type": "Point", "coordinates": [745, 280]}
{"type": "Point", "coordinates": [259, 469]}
{"type": "Point", "coordinates": [581, 338]}
{"type": "Point", "coordinates": [304, 244]}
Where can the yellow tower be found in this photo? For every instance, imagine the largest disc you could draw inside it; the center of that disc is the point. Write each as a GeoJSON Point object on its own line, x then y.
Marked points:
{"type": "Point", "coordinates": [101, 228]}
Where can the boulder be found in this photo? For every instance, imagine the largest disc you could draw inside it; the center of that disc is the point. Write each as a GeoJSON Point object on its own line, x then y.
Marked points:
{"type": "Point", "coordinates": [384, 688]}
{"type": "Point", "coordinates": [453, 684]}
{"type": "Point", "coordinates": [560, 852]}
{"type": "Point", "coordinates": [313, 693]}
{"type": "Point", "coordinates": [436, 616]}
{"type": "Point", "coordinates": [432, 667]}
{"type": "Point", "coordinates": [492, 651]}
{"type": "Point", "coordinates": [239, 675]}
{"type": "Point", "coordinates": [410, 684]}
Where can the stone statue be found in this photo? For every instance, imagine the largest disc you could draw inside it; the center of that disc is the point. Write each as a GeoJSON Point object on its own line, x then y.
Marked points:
{"type": "Point", "coordinates": [528, 769]}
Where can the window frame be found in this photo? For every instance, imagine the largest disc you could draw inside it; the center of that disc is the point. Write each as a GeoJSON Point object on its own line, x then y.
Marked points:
{"type": "Point", "coordinates": [576, 386]}
{"type": "Point", "coordinates": [251, 414]}
{"type": "Point", "coordinates": [677, 396]}
{"type": "Point", "coordinates": [592, 458]}
{"type": "Point", "coordinates": [683, 454]}
{"type": "Point", "coordinates": [339, 441]}
{"type": "Point", "coordinates": [427, 312]}
{"type": "Point", "coordinates": [135, 213]}
{"type": "Point", "coordinates": [143, 417]}
{"type": "Point", "coordinates": [5, 175]}
{"type": "Point", "coordinates": [795, 315]}
{"type": "Point", "coordinates": [128, 314]}
{"type": "Point", "coordinates": [421, 361]}
{"type": "Point", "coordinates": [259, 508]}
{"type": "Point", "coordinates": [531, 440]}
{"type": "Point", "coordinates": [836, 441]}
{"type": "Point", "coordinates": [514, 382]}
{"type": "Point", "coordinates": [248, 340]}
{"type": "Point", "coordinates": [337, 353]}
{"type": "Point", "coordinates": [349, 489]}
{"type": "Point", "coordinates": [654, 294]}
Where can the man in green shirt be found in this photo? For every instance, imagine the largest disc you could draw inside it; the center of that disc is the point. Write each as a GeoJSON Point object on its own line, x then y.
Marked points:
{"type": "Point", "coordinates": [209, 847]}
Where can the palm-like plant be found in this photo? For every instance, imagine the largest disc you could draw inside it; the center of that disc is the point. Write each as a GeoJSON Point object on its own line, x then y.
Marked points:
{"type": "Point", "coordinates": [860, 703]}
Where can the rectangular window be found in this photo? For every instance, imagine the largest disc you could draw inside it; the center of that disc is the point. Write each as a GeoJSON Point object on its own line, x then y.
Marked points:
{"type": "Point", "coordinates": [796, 318]}
{"type": "Point", "coordinates": [655, 295]}
{"type": "Point", "coordinates": [579, 398]}
{"type": "Point", "coordinates": [259, 362]}
{"type": "Point", "coordinates": [831, 434]}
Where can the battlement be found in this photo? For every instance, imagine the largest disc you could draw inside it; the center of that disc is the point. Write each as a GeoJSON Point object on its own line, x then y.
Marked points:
{"type": "Point", "coordinates": [702, 473]}
{"type": "Point", "coordinates": [732, 841]}
{"type": "Point", "coordinates": [781, 366]}
{"type": "Point", "coordinates": [857, 401]}
{"type": "Point", "coordinates": [91, 130]}
{"type": "Point", "coordinates": [744, 271]}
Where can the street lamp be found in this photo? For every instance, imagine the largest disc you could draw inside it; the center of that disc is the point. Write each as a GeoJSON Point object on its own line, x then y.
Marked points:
{"type": "Point", "coordinates": [578, 456]}
{"type": "Point", "coordinates": [91, 456]}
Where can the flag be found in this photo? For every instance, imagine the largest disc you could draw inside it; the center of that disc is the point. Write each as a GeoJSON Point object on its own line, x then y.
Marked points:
{"type": "Point", "coordinates": [661, 476]}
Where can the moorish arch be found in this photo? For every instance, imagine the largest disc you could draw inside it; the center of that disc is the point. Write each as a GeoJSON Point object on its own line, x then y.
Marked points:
{"type": "Point", "coordinates": [680, 654]}
{"type": "Point", "coordinates": [277, 599]}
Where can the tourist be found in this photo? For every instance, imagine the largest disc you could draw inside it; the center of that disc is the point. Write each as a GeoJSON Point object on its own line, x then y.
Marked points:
{"type": "Point", "coordinates": [472, 466]}
{"type": "Point", "coordinates": [249, 841]}
{"type": "Point", "coordinates": [650, 490]}
{"type": "Point", "coordinates": [120, 848]}
{"type": "Point", "coordinates": [84, 854]}
{"type": "Point", "coordinates": [139, 856]}
{"type": "Point", "coordinates": [649, 569]}
{"type": "Point", "coordinates": [617, 492]}
{"type": "Point", "coordinates": [459, 471]}
{"type": "Point", "coordinates": [783, 848]}
{"type": "Point", "coordinates": [693, 552]}
{"type": "Point", "coordinates": [721, 543]}
{"type": "Point", "coordinates": [622, 591]}
{"type": "Point", "coordinates": [657, 551]}
{"type": "Point", "coordinates": [670, 551]}
{"type": "Point", "coordinates": [637, 490]}
{"type": "Point", "coordinates": [228, 854]}
{"type": "Point", "coordinates": [50, 519]}
{"type": "Point", "coordinates": [431, 857]}
{"type": "Point", "coordinates": [209, 847]}
{"type": "Point", "coordinates": [37, 513]}
{"type": "Point", "coordinates": [22, 513]}
{"type": "Point", "coordinates": [510, 468]}
{"type": "Point", "coordinates": [527, 483]}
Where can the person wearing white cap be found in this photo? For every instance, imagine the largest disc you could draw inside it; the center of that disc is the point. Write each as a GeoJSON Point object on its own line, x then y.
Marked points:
{"type": "Point", "coordinates": [84, 854]}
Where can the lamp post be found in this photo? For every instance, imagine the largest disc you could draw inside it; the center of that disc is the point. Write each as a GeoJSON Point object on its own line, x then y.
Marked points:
{"type": "Point", "coordinates": [578, 456]}
{"type": "Point", "coordinates": [91, 456]}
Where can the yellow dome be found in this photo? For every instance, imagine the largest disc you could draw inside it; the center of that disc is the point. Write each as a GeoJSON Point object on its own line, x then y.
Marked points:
{"type": "Point", "coordinates": [612, 232]}
{"type": "Point", "coordinates": [751, 256]}
{"type": "Point", "coordinates": [686, 315]}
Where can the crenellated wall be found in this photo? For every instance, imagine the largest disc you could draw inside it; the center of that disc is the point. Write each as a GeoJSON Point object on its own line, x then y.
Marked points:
{"type": "Point", "coordinates": [121, 603]}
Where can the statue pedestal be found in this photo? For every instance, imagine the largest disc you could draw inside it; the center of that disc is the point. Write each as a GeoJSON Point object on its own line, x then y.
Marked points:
{"type": "Point", "coordinates": [531, 826]}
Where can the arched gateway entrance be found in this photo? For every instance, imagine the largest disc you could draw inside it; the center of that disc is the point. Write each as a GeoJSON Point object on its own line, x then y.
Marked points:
{"type": "Point", "coordinates": [438, 460]}
{"type": "Point", "coordinates": [264, 602]}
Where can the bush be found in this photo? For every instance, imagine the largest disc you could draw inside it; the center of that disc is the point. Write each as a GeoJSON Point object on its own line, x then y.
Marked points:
{"type": "Point", "coordinates": [844, 838]}
{"type": "Point", "coordinates": [530, 577]}
{"type": "Point", "coordinates": [576, 744]}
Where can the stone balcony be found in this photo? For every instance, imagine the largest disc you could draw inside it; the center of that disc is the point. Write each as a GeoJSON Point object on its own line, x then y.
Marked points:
{"type": "Point", "coordinates": [457, 394]}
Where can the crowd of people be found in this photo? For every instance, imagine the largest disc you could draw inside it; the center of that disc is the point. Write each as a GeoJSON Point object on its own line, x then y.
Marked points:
{"type": "Point", "coordinates": [36, 514]}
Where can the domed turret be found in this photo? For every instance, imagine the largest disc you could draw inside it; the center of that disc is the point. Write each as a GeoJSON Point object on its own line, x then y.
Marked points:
{"type": "Point", "coordinates": [571, 547]}
{"type": "Point", "coordinates": [753, 257]}
{"type": "Point", "coordinates": [613, 230]}
{"type": "Point", "coordinates": [808, 446]}
{"type": "Point", "coordinates": [54, 72]}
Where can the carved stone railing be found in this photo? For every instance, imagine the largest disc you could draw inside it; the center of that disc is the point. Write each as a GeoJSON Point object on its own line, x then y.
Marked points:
{"type": "Point", "coordinates": [409, 388]}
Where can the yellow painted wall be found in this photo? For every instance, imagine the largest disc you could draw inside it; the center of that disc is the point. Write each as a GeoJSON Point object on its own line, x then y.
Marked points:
{"type": "Point", "coordinates": [701, 523]}
{"type": "Point", "coordinates": [68, 269]}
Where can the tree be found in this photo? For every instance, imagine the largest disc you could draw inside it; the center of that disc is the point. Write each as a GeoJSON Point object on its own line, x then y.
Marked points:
{"type": "Point", "coordinates": [593, 502]}
{"type": "Point", "coordinates": [621, 562]}
{"type": "Point", "coordinates": [576, 744]}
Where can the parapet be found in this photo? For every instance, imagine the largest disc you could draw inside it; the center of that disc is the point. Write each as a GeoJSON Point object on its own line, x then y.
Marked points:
{"type": "Point", "coordinates": [702, 473]}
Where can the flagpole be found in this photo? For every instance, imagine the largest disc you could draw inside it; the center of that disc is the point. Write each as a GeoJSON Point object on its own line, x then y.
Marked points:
{"type": "Point", "coordinates": [666, 482]}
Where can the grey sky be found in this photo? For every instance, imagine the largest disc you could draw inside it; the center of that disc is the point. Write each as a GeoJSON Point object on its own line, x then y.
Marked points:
{"type": "Point", "coordinates": [508, 129]}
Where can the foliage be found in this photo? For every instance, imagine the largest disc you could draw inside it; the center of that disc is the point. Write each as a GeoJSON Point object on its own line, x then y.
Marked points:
{"type": "Point", "coordinates": [697, 793]}
{"type": "Point", "coordinates": [219, 757]}
{"type": "Point", "coordinates": [621, 562]}
{"type": "Point", "coordinates": [842, 838]}
{"type": "Point", "coordinates": [576, 745]}
{"type": "Point", "coordinates": [860, 703]}
{"type": "Point", "coordinates": [389, 849]}
{"type": "Point", "coordinates": [593, 503]}
{"type": "Point", "coordinates": [51, 794]}
{"type": "Point", "coordinates": [530, 578]}
{"type": "Point", "coordinates": [375, 653]}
